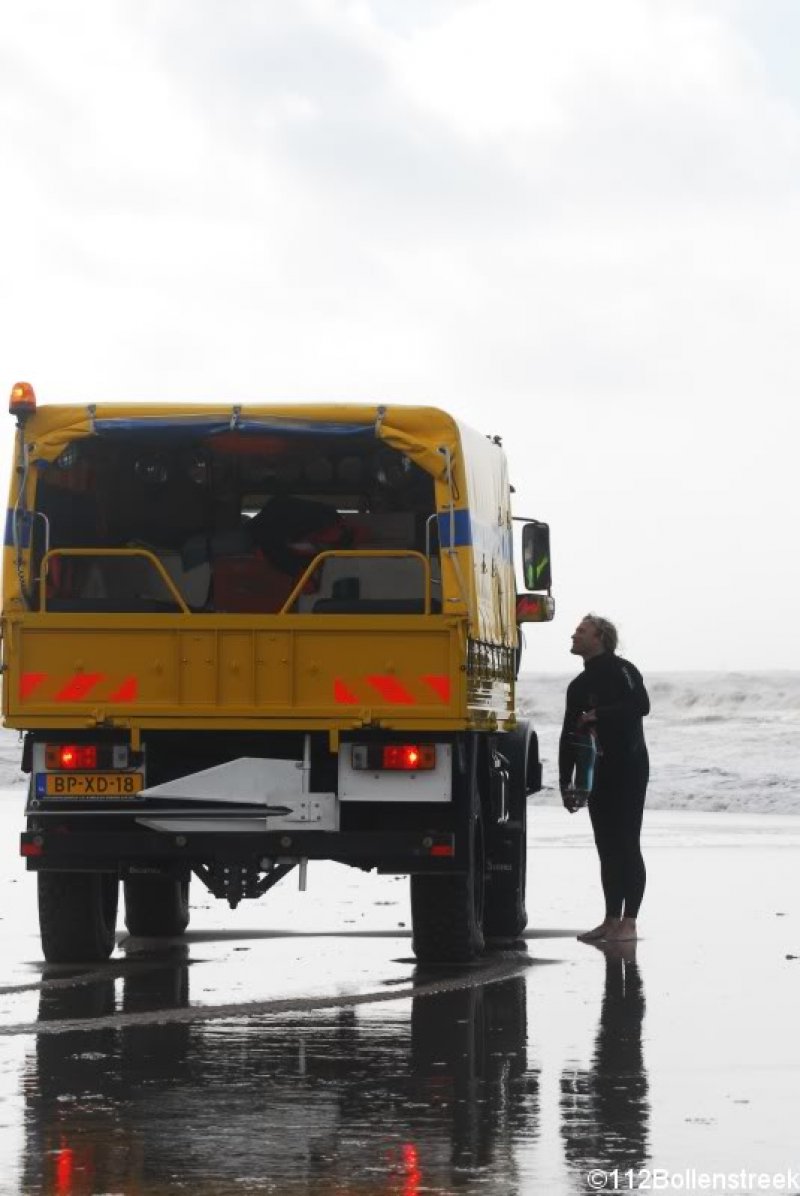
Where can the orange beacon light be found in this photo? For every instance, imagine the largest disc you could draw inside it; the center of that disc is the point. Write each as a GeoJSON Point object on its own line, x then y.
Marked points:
{"type": "Point", "coordinates": [23, 400]}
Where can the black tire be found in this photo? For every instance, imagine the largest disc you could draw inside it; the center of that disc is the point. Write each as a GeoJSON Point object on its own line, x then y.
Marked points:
{"type": "Point", "coordinates": [156, 906]}
{"type": "Point", "coordinates": [77, 915]}
{"type": "Point", "coordinates": [447, 911]}
{"type": "Point", "coordinates": [505, 915]}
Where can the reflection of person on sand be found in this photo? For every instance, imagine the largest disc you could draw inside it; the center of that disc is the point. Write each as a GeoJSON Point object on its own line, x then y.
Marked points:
{"type": "Point", "coordinates": [605, 1111]}
{"type": "Point", "coordinates": [609, 696]}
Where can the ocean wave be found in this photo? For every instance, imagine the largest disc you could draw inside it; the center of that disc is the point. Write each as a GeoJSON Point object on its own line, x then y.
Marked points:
{"type": "Point", "coordinates": [756, 694]}
{"type": "Point", "coordinates": [718, 741]}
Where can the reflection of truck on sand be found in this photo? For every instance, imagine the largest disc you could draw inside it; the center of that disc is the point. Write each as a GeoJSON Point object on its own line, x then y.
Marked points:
{"type": "Point", "coordinates": [241, 638]}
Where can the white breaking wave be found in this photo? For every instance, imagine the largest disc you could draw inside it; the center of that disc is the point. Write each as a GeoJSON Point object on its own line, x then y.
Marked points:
{"type": "Point", "coordinates": [717, 741]}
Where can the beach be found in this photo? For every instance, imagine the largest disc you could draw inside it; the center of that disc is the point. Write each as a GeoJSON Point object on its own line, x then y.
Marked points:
{"type": "Point", "coordinates": [293, 1046]}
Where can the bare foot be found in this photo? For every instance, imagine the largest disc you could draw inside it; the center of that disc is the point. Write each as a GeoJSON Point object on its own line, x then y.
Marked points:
{"type": "Point", "coordinates": [623, 932]}
{"type": "Point", "coordinates": [603, 931]}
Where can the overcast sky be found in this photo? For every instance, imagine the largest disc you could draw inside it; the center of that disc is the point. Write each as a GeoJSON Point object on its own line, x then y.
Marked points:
{"type": "Point", "coordinates": [576, 225]}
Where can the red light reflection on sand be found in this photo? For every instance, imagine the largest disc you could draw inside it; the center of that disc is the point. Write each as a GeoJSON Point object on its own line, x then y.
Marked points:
{"type": "Point", "coordinates": [405, 1169]}
{"type": "Point", "coordinates": [65, 1171]}
{"type": "Point", "coordinates": [73, 1171]}
{"type": "Point", "coordinates": [412, 1178]}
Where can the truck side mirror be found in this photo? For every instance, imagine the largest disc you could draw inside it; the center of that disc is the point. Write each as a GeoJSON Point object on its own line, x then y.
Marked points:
{"type": "Point", "coordinates": [536, 570]}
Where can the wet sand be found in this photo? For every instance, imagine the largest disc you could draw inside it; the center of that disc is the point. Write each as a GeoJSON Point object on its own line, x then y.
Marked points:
{"type": "Point", "coordinates": [292, 1046]}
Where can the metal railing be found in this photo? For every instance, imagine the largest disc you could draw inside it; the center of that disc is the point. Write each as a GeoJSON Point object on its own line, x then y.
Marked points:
{"type": "Point", "coordinates": [114, 554]}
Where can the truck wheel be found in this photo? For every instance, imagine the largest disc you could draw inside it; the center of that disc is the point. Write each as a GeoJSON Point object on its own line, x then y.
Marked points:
{"type": "Point", "coordinates": [156, 906]}
{"type": "Point", "coordinates": [77, 915]}
{"type": "Point", "coordinates": [447, 911]}
{"type": "Point", "coordinates": [505, 915]}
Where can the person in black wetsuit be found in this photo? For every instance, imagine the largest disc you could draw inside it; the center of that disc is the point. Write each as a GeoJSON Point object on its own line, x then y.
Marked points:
{"type": "Point", "coordinates": [609, 697]}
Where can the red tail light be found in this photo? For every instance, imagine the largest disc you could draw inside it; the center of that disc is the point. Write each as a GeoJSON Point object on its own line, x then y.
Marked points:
{"type": "Point", "coordinates": [70, 755]}
{"type": "Point", "coordinates": [394, 757]}
{"type": "Point", "coordinates": [409, 757]}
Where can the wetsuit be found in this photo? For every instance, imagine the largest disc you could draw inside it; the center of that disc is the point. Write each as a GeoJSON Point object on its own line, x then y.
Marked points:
{"type": "Point", "coordinates": [614, 689]}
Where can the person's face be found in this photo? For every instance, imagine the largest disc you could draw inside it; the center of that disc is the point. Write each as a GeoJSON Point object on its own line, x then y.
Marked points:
{"type": "Point", "coordinates": [586, 640]}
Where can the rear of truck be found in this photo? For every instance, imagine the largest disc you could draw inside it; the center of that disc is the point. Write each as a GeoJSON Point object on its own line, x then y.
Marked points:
{"type": "Point", "coordinates": [241, 639]}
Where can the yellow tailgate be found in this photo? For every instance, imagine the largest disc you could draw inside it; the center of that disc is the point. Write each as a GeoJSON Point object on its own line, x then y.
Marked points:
{"type": "Point", "coordinates": [339, 670]}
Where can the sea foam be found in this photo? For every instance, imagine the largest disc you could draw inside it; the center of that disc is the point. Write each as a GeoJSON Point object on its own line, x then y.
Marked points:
{"type": "Point", "coordinates": [717, 741]}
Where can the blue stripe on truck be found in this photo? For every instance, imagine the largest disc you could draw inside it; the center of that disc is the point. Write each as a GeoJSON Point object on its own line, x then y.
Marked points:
{"type": "Point", "coordinates": [462, 525]}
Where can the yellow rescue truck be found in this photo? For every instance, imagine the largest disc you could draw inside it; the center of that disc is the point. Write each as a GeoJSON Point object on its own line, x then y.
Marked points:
{"type": "Point", "coordinates": [239, 638]}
